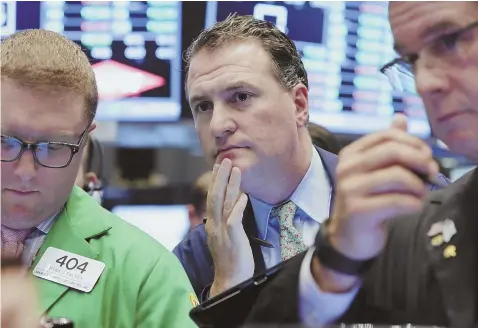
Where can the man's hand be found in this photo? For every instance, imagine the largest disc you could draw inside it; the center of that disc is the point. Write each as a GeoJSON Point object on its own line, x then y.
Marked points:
{"type": "Point", "coordinates": [227, 240]}
{"type": "Point", "coordinates": [375, 183]}
{"type": "Point", "coordinates": [19, 308]}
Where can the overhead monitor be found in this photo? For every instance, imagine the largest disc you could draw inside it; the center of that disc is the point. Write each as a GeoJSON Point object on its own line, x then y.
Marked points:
{"type": "Point", "coordinates": [134, 47]}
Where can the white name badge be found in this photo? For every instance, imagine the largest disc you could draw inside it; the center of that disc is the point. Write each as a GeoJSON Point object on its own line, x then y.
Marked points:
{"type": "Point", "coordinates": [69, 269]}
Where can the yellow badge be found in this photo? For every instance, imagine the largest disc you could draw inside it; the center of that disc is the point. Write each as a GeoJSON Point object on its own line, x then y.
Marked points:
{"type": "Point", "coordinates": [450, 251]}
{"type": "Point", "coordinates": [193, 299]}
{"type": "Point", "coordinates": [437, 240]}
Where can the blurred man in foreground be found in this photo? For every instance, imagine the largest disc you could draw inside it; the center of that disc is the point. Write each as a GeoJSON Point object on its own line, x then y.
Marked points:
{"type": "Point", "coordinates": [19, 305]}
{"type": "Point", "coordinates": [419, 269]}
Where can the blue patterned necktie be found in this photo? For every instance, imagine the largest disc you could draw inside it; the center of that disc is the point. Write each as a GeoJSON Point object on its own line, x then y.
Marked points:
{"type": "Point", "coordinates": [291, 241]}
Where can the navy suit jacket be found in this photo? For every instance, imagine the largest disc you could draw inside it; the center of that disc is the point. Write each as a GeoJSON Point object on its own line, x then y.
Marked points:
{"type": "Point", "coordinates": [193, 252]}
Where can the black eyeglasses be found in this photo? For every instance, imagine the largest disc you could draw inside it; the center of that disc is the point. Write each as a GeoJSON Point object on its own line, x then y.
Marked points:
{"type": "Point", "coordinates": [50, 154]}
{"type": "Point", "coordinates": [446, 49]}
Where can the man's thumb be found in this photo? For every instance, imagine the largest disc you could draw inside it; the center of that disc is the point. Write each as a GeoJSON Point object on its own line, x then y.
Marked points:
{"type": "Point", "coordinates": [399, 122]}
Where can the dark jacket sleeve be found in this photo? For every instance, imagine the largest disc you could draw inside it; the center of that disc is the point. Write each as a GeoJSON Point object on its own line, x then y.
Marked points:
{"type": "Point", "coordinates": [278, 302]}
{"type": "Point", "coordinates": [196, 259]}
{"type": "Point", "coordinates": [398, 288]}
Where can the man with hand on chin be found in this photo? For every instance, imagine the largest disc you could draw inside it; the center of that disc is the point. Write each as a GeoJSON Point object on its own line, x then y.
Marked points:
{"type": "Point", "coordinates": [248, 91]}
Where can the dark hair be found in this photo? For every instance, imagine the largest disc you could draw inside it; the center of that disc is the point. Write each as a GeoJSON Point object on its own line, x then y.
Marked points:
{"type": "Point", "coordinates": [323, 138]}
{"type": "Point", "coordinates": [286, 60]}
{"type": "Point", "coordinates": [197, 198]}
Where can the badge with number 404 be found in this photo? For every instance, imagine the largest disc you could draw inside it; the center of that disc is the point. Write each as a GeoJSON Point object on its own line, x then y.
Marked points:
{"type": "Point", "coordinates": [69, 269]}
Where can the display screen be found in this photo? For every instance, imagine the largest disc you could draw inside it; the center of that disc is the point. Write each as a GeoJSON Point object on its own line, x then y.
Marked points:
{"type": "Point", "coordinates": [8, 17]}
{"type": "Point", "coordinates": [343, 45]}
{"type": "Point", "coordinates": [134, 47]}
{"type": "Point", "coordinates": [168, 224]}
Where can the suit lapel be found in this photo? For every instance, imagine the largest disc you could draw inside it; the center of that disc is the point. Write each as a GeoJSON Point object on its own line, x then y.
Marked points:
{"type": "Point", "coordinates": [456, 275]}
{"type": "Point", "coordinates": [330, 162]}
{"type": "Point", "coordinates": [67, 234]}
{"type": "Point", "coordinates": [250, 227]}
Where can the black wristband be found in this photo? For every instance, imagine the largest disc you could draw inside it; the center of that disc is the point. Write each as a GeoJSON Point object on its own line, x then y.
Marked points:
{"type": "Point", "coordinates": [336, 261]}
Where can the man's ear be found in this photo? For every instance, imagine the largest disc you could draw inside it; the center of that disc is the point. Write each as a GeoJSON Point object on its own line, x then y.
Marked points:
{"type": "Point", "coordinates": [301, 101]}
{"type": "Point", "coordinates": [92, 126]}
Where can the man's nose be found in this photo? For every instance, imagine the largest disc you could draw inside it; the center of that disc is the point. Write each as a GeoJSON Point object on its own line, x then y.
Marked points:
{"type": "Point", "coordinates": [222, 122]}
{"type": "Point", "coordinates": [431, 82]}
{"type": "Point", "coordinates": [26, 166]}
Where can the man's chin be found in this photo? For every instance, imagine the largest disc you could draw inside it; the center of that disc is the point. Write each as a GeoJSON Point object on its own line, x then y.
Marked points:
{"type": "Point", "coordinates": [16, 216]}
{"type": "Point", "coordinates": [463, 143]}
{"type": "Point", "coordinates": [244, 166]}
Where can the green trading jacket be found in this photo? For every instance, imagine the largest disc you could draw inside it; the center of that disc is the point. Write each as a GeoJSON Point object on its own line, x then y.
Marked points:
{"type": "Point", "coordinates": [143, 284]}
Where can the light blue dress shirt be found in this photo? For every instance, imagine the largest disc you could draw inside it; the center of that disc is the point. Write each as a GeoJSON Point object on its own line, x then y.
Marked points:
{"type": "Point", "coordinates": [312, 197]}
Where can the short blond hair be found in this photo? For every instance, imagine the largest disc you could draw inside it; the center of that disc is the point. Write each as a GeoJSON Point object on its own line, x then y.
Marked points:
{"type": "Point", "coordinates": [47, 61]}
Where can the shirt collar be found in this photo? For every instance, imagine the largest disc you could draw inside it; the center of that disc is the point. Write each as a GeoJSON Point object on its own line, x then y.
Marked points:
{"type": "Point", "coordinates": [46, 225]}
{"type": "Point", "coordinates": [311, 196]}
